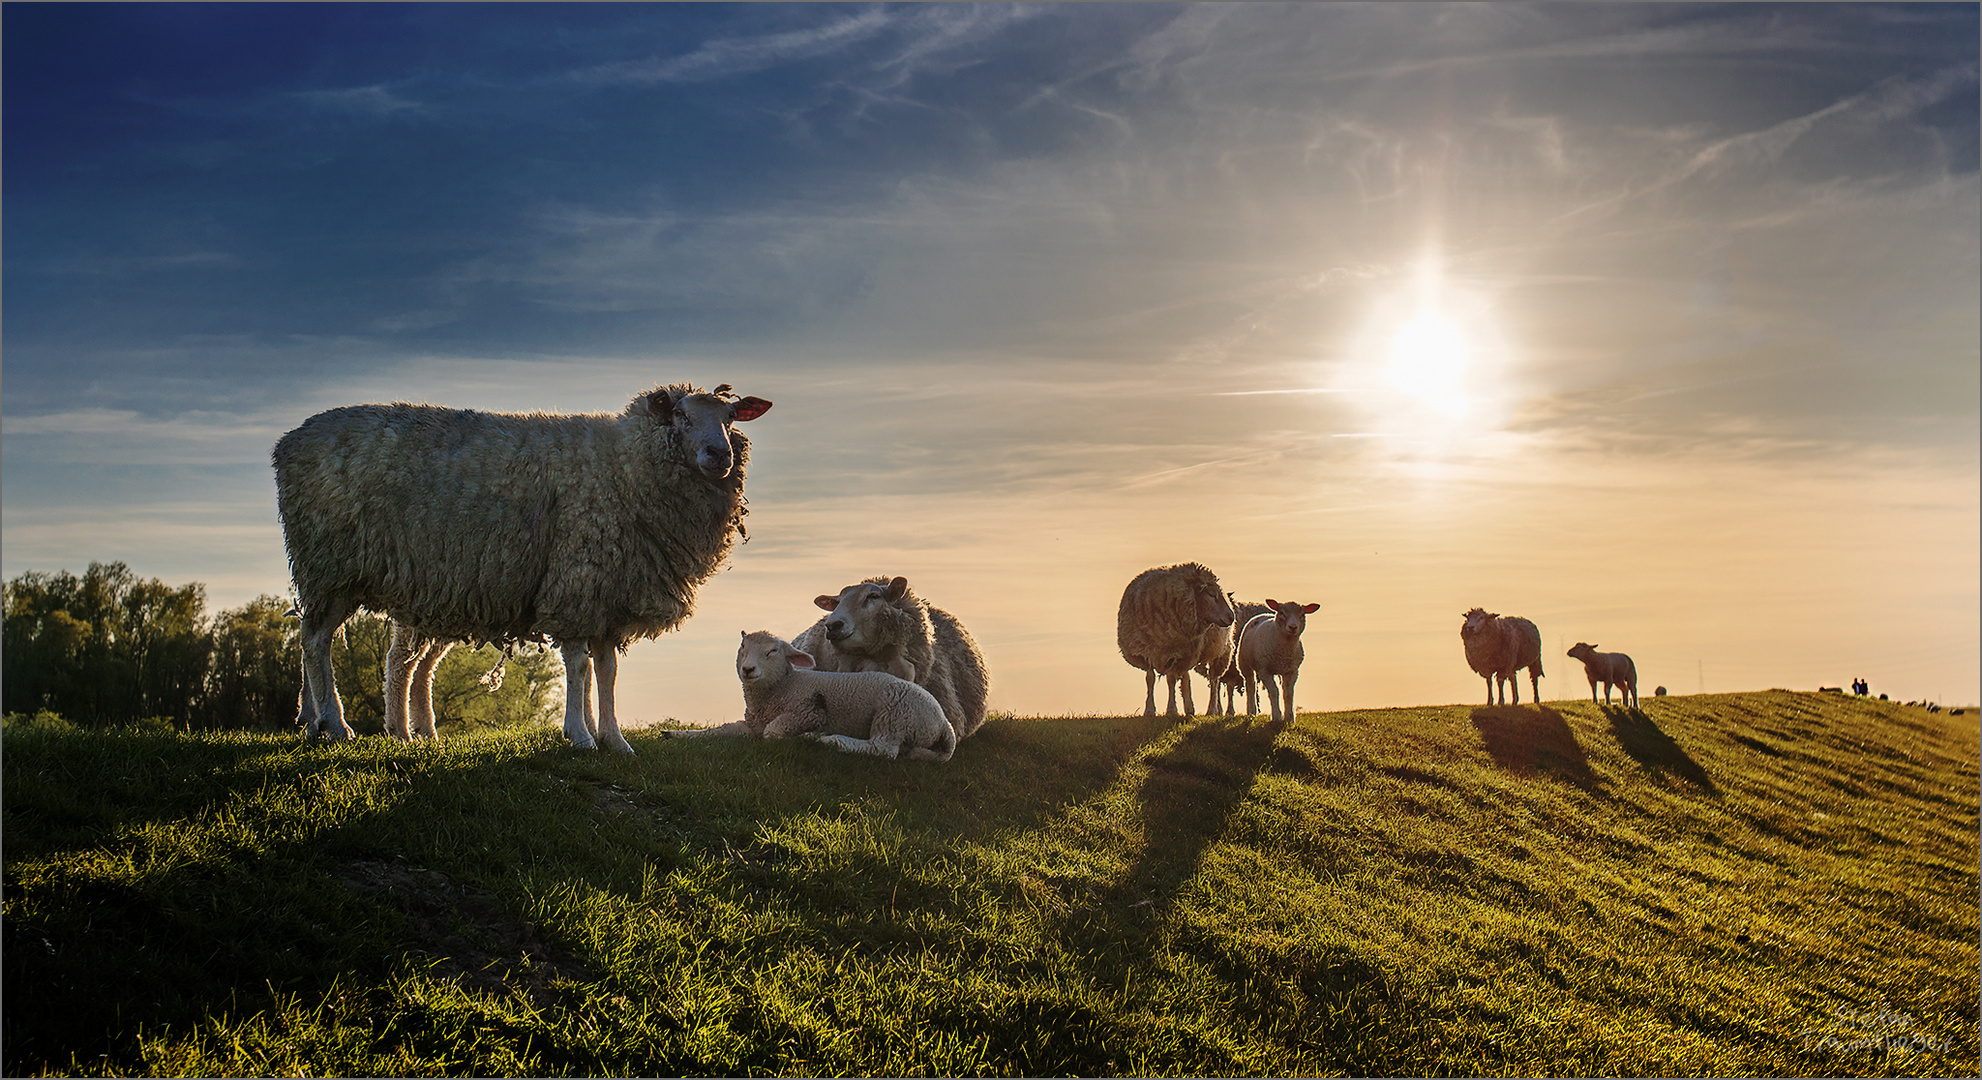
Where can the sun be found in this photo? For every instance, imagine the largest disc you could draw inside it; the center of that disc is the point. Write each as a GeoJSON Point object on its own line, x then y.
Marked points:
{"type": "Point", "coordinates": [1429, 358]}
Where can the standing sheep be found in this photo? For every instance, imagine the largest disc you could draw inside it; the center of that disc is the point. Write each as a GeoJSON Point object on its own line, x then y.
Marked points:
{"type": "Point", "coordinates": [594, 530]}
{"type": "Point", "coordinates": [860, 712]}
{"type": "Point", "coordinates": [1225, 680]}
{"type": "Point", "coordinates": [1269, 647]}
{"type": "Point", "coordinates": [1498, 647]}
{"type": "Point", "coordinates": [1612, 668]}
{"type": "Point", "coordinates": [881, 625]}
{"type": "Point", "coordinates": [1170, 620]}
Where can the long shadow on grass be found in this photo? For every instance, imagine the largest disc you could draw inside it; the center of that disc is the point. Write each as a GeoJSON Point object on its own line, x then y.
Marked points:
{"type": "Point", "coordinates": [1534, 741]}
{"type": "Point", "coordinates": [1186, 798]}
{"type": "Point", "coordinates": [1654, 749]}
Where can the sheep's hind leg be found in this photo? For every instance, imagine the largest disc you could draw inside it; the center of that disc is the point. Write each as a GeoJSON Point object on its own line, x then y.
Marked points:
{"type": "Point", "coordinates": [319, 681]}
{"type": "Point", "coordinates": [400, 657]}
{"type": "Point", "coordinates": [577, 694]}
{"type": "Point", "coordinates": [420, 696]}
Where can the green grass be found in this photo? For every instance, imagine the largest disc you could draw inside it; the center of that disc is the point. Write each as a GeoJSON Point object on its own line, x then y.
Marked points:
{"type": "Point", "coordinates": [1765, 883]}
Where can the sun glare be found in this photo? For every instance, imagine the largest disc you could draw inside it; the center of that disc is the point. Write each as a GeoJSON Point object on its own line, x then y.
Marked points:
{"type": "Point", "coordinates": [1428, 360]}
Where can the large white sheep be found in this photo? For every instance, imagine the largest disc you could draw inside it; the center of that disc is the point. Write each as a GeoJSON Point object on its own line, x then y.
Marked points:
{"type": "Point", "coordinates": [593, 530]}
{"type": "Point", "coordinates": [1221, 668]}
{"type": "Point", "coordinates": [1498, 647]}
{"type": "Point", "coordinates": [1613, 668]}
{"type": "Point", "coordinates": [860, 712]}
{"type": "Point", "coordinates": [1270, 648]}
{"type": "Point", "coordinates": [1170, 620]}
{"type": "Point", "coordinates": [881, 625]}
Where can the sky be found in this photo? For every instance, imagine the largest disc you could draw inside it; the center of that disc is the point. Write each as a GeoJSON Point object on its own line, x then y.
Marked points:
{"type": "Point", "coordinates": [1656, 324]}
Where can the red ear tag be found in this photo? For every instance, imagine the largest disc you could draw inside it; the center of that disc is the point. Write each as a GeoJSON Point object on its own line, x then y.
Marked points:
{"type": "Point", "coordinates": [749, 408]}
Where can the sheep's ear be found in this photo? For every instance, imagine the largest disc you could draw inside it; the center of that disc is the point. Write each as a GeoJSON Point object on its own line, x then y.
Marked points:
{"type": "Point", "coordinates": [660, 405]}
{"type": "Point", "coordinates": [1312, 608]}
{"type": "Point", "coordinates": [749, 408]}
{"type": "Point", "coordinates": [1272, 603]}
{"type": "Point", "coordinates": [826, 601]}
{"type": "Point", "coordinates": [799, 657]}
{"type": "Point", "coordinates": [897, 588]}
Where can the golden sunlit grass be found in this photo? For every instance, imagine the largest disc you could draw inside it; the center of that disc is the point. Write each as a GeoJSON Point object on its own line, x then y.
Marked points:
{"type": "Point", "coordinates": [1766, 883]}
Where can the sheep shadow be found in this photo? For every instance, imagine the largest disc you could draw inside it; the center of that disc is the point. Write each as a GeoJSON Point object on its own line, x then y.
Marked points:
{"type": "Point", "coordinates": [1187, 796]}
{"type": "Point", "coordinates": [1530, 740]}
{"type": "Point", "coordinates": [1654, 749]}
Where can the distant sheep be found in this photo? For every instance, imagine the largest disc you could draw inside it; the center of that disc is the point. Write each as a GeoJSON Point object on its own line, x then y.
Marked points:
{"type": "Point", "coordinates": [1170, 620]}
{"type": "Point", "coordinates": [1498, 647]}
{"type": "Point", "coordinates": [1830, 689]}
{"type": "Point", "coordinates": [860, 712]}
{"type": "Point", "coordinates": [593, 530]}
{"type": "Point", "coordinates": [1221, 669]}
{"type": "Point", "coordinates": [1610, 669]}
{"type": "Point", "coordinates": [1659, 692]}
{"type": "Point", "coordinates": [881, 625]}
{"type": "Point", "coordinates": [1269, 649]}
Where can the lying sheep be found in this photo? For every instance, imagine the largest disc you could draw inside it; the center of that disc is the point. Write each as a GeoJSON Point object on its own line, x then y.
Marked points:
{"type": "Point", "coordinates": [1658, 692]}
{"type": "Point", "coordinates": [1613, 668]}
{"type": "Point", "coordinates": [1170, 620]}
{"type": "Point", "coordinates": [594, 530]}
{"type": "Point", "coordinates": [861, 712]}
{"type": "Point", "coordinates": [1221, 669]}
{"type": "Point", "coordinates": [1270, 648]}
{"type": "Point", "coordinates": [1498, 647]}
{"type": "Point", "coordinates": [881, 625]}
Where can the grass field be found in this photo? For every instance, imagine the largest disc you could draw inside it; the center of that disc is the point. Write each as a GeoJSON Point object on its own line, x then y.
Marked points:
{"type": "Point", "coordinates": [1760, 883]}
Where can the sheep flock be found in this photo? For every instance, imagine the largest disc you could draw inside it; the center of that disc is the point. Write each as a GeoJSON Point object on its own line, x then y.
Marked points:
{"type": "Point", "coordinates": [592, 531]}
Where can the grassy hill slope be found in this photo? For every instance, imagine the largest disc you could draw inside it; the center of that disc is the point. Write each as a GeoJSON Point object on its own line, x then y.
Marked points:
{"type": "Point", "coordinates": [1763, 883]}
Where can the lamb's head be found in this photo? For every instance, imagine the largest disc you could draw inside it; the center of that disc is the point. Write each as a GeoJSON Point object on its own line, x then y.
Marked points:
{"type": "Point", "coordinates": [764, 658]}
{"type": "Point", "coordinates": [1585, 653]}
{"type": "Point", "coordinates": [1477, 620]}
{"type": "Point", "coordinates": [702, 422]}
{"type": "Point", "coordinates": [858, 612]}
{"type": "Point", "coordinates": [1291, 617]}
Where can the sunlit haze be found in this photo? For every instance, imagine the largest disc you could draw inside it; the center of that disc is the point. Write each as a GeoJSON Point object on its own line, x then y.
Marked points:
{"type": "Point", "coordinates": [1657, 325]}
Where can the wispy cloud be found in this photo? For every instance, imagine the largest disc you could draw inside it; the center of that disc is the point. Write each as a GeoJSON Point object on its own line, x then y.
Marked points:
{"type": "Point", "coordinates": [732, 57]}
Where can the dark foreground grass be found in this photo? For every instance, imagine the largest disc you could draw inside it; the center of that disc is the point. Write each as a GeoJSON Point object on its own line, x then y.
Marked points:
{"type": "Point", "coordinates": [1767, 883]}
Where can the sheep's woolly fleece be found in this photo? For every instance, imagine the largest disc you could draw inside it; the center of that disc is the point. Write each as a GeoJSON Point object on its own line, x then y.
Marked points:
{"type": "Point", "coordinates": [485, 525]}
{"type": "Point", "coordinates": [941, 654]}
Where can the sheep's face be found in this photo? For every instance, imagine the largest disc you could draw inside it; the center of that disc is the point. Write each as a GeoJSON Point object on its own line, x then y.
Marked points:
{"type": "Point", "coordinates": [1213, 606]}
{"type": "Point", "coordinates": [1585, 653]}
{"type": "Point", "coordinates": [702, 422]}
{"type": "Point", "coordinates": [1476, 621]}
{"type": "Point", "coordinates": [763, 657]}
{"type": "Point", "coordinates": [857, 610]}
{"type": "Point", "coordinates": [1291, 618]}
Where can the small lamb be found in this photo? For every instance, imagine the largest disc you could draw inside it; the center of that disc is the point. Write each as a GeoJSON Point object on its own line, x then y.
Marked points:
{"type": "Point", "coordinates": [1610, 669]}
{"type": "Point", "coordinates": [860, 712]}
{"type": "Point", "coordinates": [1270, 647]}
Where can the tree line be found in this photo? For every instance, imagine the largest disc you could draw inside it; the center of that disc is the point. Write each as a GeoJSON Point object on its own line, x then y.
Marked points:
{"type": "Point", "coordinates": [110, 648]}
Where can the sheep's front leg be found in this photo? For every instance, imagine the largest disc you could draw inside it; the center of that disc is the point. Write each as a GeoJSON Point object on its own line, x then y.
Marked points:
{"type": "Point", "coordinates": [1273, 695]}
{"type": "Point", "coordinates": [326, 711]}
{"type": "Point", "coordinates": [1287, 693]}
{"type": "Point", "coordinates": [605, 661]}
{"type": "Point", "coordinates": [1149, 692]}
{"type": "Point", "coordinates": [1252, 694]}
{"type": "Point", "coordinates": [1190, 709]}
{"type": "Point", "coordinates": [872, 747]}
{"type": "Point", "coordinates": [577, 694]}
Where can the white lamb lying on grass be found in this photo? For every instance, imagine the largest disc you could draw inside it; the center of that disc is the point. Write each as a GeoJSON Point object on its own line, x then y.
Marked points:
{"type": "Point", "coordinates": [860, 712]}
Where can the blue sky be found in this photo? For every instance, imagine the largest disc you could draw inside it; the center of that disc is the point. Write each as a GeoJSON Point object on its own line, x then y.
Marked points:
{"type": "Point", "coordinates": [1049, 294]}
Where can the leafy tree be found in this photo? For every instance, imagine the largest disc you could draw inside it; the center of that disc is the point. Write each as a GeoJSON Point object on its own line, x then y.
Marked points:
{"type": "Point", "coordinates": [256, 669]}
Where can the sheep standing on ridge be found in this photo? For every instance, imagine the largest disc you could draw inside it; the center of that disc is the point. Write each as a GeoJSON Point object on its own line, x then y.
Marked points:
{"type": "Point", "coordinates": [1169, 621]}
{"type": "Point", "coordinates": [594, 530]}
{"type": "Point", "coordinates": [1270, 648]}
{"type": "Point", "coordinates": [1498, 647]}
{"type": "Point", "coordinates": [881, 625]}
{"type": "Point", "coordinates": [1613, 668]}
{"type": "Point", "coordinates": [1221, 669]}
{"type": "Point", "coordinates": [861, 712]}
